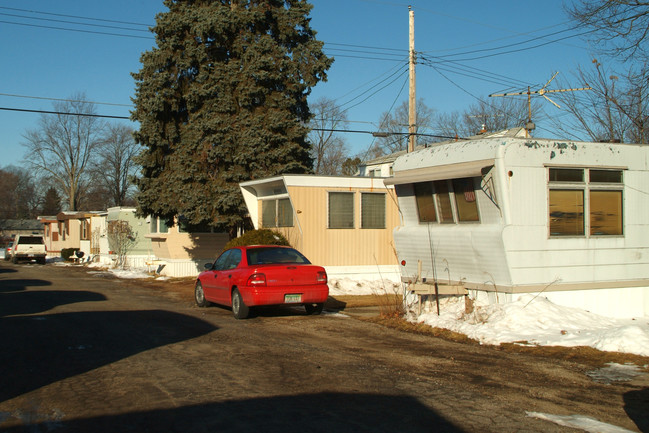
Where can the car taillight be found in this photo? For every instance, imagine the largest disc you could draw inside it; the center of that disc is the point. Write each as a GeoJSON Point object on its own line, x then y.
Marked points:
{"type": "Point", "coordinates": [257, 280]}
{"type": "Point", "coordinates": [321, 277]}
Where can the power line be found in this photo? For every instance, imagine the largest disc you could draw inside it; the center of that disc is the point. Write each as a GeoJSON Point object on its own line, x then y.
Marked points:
{"type": "Point", "coordinates": [23, 110]}
{"type": "Point", "coordinates": [73, 22]}
{"type": "Point", "coordinates": [400, 72]}
{"type": "Point", "coordinates": [391, 133]}
{"type": "Point", "coordinates": [64, 100]}
{"type": "Point", "coordinates": [77, 30]}
{"type": "Point", "coordinates": [75, 16]}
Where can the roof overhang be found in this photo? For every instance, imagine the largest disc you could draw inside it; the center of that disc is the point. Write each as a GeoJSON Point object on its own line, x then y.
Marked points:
{"type": "Point", "coordinates": [432, 173]}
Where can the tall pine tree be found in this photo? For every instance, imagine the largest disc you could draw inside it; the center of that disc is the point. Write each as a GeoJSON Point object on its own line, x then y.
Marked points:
{"type": "Point", "coordinates": [222, 99]}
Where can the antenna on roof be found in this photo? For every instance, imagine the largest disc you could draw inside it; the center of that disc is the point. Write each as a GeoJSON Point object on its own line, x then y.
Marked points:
{"type": "Point", "coordinates": [529, 126]}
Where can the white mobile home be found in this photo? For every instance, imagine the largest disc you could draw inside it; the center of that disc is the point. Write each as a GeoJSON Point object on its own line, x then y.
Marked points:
{"type": "Point", "coordinates": [506, 216]}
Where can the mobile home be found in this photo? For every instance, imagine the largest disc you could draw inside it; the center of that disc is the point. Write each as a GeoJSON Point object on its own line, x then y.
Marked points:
{"type": "Point", "coordinates": [507, 216]}
{"type": "Point", "coordinates": [343, 223]}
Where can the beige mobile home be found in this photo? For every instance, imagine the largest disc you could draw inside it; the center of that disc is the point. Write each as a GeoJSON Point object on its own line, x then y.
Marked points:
{"type": "Point", "coordinates": [506, 216]}
{"type": "Point", "coordinates": [342, 223]}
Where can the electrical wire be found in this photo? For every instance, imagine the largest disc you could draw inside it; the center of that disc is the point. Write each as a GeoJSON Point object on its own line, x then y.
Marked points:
{"type": "Point", "coordinates": [62, 113]}
{"type": "Point", "coordinates": [74, 16]}
{"type": "Point", "coordinates": [74, 22]}
{"type": "Point", "coordinates": [64, 100]}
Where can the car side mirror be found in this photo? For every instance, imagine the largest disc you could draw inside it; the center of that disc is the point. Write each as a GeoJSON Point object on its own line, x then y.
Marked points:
{"type": "Point", "coordinates": [208, 266]}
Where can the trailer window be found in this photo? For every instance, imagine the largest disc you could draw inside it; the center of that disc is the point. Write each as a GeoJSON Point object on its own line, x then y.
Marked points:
{"type": "Point", "coordinates": [341, 210]}
{"type": "Point", "coordinates": [425, 203]}
{"type": "Point", "coordinates": [277, 213]}
{"type": "Point", "coordinates": [465, 199]}
{"type": "Point", "coordinates": [443, 201]}
{"type": "Point", "coordinates": [447, 201]}
{"type": "Point", "coordinates": [585, 202]}
{"type": "Point", "coordinates": [372, 210]}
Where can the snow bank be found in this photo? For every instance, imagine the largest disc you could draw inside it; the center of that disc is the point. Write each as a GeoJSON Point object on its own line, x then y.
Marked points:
{"type": "Point", "coordinates": [538, 321]}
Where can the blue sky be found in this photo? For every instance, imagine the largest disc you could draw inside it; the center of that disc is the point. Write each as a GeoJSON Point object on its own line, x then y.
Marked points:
{"type": "Point", "coordinates": [367, 38]}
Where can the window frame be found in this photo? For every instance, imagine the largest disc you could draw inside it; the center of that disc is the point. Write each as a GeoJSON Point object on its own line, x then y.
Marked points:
{"type": "Point", "coordinates": [586, 186]}
{"type": "Point", "coordinates": [276, 211]}
{"type": "Point", "coordinates": [444, 201]}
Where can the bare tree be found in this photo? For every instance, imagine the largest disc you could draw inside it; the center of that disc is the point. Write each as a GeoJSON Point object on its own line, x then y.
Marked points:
{"type": "Point", "coordinates": [121, 240]}
{"type": "Point", "coordinates": [395, 127]}
{"type": "Point", "coordinates": [619, 27]}
{"type": "Point", "coordinates": [17, 194]}
{"type": "Point", "coordinates": [64, 145]}
{"type": "Point", "coordinates": [115, 165]}
{"type": "Point", "coordinates": [494, 114]}
{"type": "Point", "coordinates": [329, 149]}
{"type": "Point", "coordinates": [616, 108]}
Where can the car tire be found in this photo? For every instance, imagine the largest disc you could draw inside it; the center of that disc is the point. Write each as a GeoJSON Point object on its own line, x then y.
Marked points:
{"type": "Point", "coordinates": [14, 260]}
{"type": "Point", "coordinates": [199, 295]}
{"type": "Point", "coordinates": [314, 309]}
{"type": "Point", "coordinates": [239, 309]}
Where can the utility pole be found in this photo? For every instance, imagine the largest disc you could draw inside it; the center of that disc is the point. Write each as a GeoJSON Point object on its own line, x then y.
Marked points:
{"type": "Point", "coordinates": [412, 97]}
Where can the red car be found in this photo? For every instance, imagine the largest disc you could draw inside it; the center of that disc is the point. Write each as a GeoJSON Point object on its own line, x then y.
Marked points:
{"type": "Point", "coordinates": [244, 277]}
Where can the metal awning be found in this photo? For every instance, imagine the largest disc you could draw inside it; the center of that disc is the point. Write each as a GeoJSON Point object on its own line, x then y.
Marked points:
{"type": "Point", "coordinates": [431, 173]}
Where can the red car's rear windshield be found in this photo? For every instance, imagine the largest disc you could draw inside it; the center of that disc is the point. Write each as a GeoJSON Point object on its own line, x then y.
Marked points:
{"type": "Point", "coordinates": [270, 255]}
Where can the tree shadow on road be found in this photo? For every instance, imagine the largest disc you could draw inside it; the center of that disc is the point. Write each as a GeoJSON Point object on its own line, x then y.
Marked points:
{"type": "Point", "coordinates": [44, 349]}
{"type": "Point", "coordinates": [323, 412]}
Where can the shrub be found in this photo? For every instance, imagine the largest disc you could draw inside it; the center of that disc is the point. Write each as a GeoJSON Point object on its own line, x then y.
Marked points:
{"type": "Point", "coordinates": [66, 253]}
{"type": "Point", "coordinates": [258, 237]}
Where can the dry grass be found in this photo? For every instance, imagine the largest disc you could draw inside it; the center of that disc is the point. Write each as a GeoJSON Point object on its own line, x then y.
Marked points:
{"type": "Point", "coordinates": [581, 354]}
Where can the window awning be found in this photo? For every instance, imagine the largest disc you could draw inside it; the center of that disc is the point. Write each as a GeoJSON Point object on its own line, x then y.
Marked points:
{"type": "Point", "coordinates": [431, 173]}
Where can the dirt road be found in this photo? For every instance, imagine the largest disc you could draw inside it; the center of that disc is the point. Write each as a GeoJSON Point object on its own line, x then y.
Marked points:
{"type": "Point", "coordinates": [83, 351]}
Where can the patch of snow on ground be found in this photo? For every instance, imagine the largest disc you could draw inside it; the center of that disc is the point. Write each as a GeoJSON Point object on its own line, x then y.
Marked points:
{"type": "Point", "coordinates": [347, 286]}
{"type": "Point", "coordinates": [615, 372]}
{"type": "Point", "coordinates": [538, 321]}
{"type": "Point", "coordinates": [582, 422]}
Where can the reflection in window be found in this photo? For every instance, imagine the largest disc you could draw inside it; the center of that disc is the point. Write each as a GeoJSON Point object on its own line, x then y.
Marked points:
{"type": "Point", "coordinates": [605, 212]}
{"type": "Point", "coordinates": [566, 212]}
{"type": "Point", "coordinates": [566, 175]}
{"type": "Point", "coordinates": [575, 191]}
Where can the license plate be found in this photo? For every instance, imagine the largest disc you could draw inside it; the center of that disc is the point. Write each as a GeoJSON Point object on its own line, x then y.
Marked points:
{"type": "Point", "coordinates": [293, 299]}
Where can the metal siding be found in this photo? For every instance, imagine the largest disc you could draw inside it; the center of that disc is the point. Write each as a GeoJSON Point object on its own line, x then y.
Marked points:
{"type": "Point", "coordinates": [521, 252]}
{"type": "Point", "coordinates": [342, 247]}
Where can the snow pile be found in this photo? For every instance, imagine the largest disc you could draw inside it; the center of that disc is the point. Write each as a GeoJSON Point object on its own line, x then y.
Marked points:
{"type": "Point", "coordinates": [347, 286]}
{"type": "Point", "coordinates": [538, 321]}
